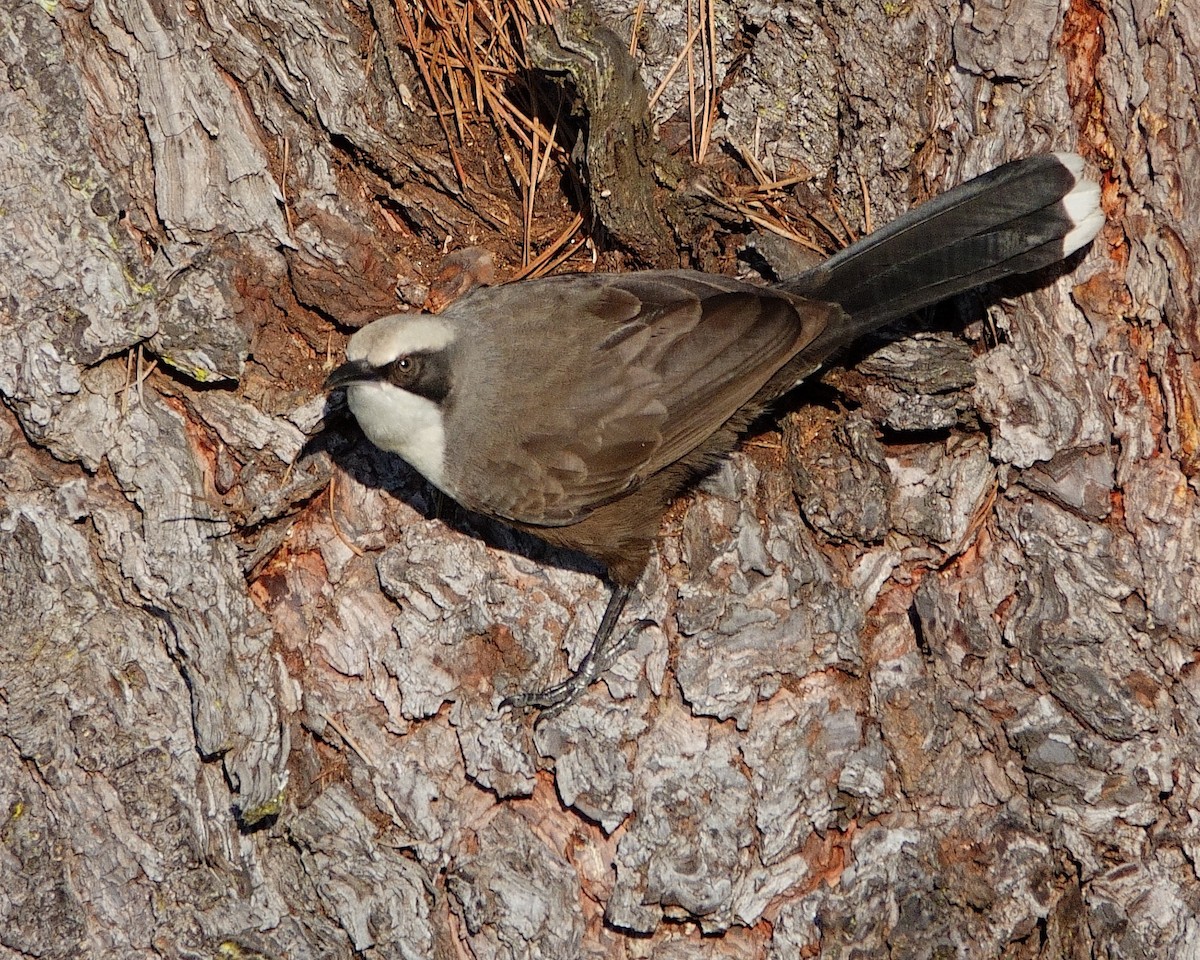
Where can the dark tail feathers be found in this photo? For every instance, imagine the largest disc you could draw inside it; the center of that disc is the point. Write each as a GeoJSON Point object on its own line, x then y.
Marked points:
{"type": "Point", "coordinates": [1017, 218]}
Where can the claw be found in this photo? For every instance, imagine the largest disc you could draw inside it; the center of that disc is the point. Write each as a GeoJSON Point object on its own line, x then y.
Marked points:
{"type": "Point", "coordinates": [603, 652]}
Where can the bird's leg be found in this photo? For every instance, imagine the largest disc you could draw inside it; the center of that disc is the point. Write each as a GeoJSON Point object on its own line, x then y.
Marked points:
{"type": "Point", "coordinates": [603, 651]}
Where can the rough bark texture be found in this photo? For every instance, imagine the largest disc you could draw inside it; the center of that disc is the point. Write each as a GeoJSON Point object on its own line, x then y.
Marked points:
{"type": "Point", "coordinates": [920, 680]}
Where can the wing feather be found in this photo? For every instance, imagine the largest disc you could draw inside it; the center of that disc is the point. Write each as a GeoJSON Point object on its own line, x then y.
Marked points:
{"type": "Point", "coordinates": [645, 368]}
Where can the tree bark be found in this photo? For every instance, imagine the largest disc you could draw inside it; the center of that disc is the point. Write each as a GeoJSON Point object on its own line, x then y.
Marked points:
{"type": "Point", "coordinates": [920, 673]}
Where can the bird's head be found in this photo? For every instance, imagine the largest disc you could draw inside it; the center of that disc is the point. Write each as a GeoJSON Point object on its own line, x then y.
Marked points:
{"type": "Point", "coordinates": [398, 375]}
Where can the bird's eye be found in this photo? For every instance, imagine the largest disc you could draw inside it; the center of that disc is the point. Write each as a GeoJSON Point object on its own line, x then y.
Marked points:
{"type": "Point", "coordinates": [403, 371]}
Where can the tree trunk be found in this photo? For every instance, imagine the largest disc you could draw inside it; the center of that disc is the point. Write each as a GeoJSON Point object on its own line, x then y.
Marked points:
{"type": "Point", "coordinates": [920, 672]}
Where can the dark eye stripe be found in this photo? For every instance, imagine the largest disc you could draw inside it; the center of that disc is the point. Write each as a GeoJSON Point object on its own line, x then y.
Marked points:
{"type": "Point", "coordinates": [423, 374]}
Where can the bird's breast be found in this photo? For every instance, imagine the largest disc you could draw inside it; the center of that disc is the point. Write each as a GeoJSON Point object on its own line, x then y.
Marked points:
{"type": "Point", "coordinates": [402, 423]}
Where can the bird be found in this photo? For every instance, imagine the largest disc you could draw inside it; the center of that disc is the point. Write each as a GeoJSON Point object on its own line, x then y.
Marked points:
{"type": "Point", "coordinates": [578, 407]}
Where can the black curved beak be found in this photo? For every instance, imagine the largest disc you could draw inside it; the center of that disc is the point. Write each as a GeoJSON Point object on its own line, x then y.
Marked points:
{"type": "Point", "coordinates": [353, 371]}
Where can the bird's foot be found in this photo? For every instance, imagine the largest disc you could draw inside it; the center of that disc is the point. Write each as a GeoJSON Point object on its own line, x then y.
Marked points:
{"type": "Point", "coordinates": [603, 653]}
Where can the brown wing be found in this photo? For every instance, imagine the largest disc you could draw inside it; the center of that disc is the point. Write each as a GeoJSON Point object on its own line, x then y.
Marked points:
{"type": "Point", "coordinates": [644, 368]}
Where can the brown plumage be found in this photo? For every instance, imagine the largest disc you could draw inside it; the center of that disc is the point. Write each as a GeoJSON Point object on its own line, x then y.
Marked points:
{"type": "Point", "coordinates": [578, 407]}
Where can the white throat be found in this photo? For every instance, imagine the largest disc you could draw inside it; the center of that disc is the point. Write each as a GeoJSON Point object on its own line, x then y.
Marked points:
{"type": "Point", "coordinates": [402, 423]}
